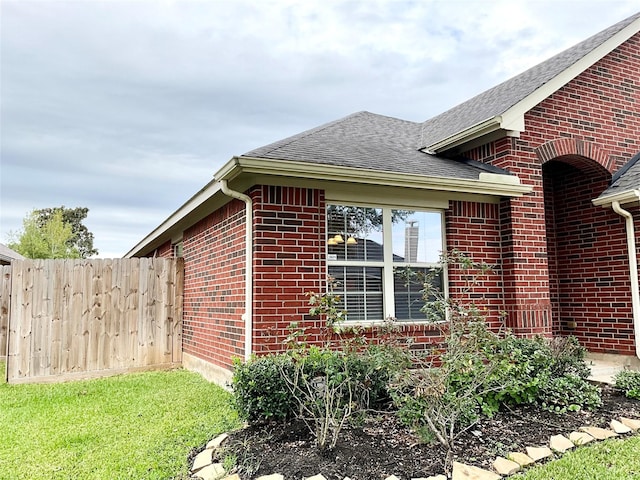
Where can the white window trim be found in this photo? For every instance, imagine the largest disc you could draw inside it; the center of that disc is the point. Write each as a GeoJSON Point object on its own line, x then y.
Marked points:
{"type": "Point", "coordinates": [388, 299]}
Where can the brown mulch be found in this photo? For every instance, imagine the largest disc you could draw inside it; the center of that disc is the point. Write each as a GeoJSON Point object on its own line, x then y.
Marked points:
{"type": "Point", "coordinates": [382, 446]}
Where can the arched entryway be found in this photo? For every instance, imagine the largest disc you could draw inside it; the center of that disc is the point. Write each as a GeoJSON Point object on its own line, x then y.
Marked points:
{"type": "Point", "coordinates": [586, 254]}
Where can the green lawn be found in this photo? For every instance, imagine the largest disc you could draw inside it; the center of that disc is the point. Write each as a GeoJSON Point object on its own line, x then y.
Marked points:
{"type": "Point", "coordinates": [142, 426]}
{"type": "Point", "coordinates": [612, 459]}
{"type": "Point", "coordinates": [136, 426]}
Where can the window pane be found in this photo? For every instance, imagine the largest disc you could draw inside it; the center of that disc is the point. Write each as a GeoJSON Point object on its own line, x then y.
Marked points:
{"type": "Point", "coordinates": [408, 286]}
{"type": "Point", "coordinates": [354, 233]}
{"type": "Point", "coordinates": [360, 289]}
{"type": "Point", "coordinates": [416, 236]}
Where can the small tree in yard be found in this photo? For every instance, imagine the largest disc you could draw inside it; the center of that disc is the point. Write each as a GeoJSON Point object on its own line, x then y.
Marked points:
{"type": "Point", "coordinates": [323, 382]}
{"type": "Point", "coordinates": [475, 370]}
{"type": "Point", "coordinates": [440, 396]}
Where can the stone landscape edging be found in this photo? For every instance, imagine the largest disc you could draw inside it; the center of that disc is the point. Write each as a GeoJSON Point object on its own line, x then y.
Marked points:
{"type": "Point", "coordinates": [205, 468]}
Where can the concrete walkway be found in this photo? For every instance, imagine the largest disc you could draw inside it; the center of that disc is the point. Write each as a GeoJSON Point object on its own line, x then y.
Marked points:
{"type": "Point", "coordinates": [604, 367]}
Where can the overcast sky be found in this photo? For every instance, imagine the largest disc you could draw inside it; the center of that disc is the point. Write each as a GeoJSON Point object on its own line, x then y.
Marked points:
{"type": "Point", "coordinates": [129, 107]}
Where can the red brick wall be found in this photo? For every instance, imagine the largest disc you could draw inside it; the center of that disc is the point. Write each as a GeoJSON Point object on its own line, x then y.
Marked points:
{"type": "Point", "coordinates": [590, 286]}
{"type": "Point", "coordinates": [592, 123]}
{"type": "Point", "coordinates": [474, 229]}
{"type": "Point", "coordinates": [165, 251]}
{"type": "Point", "coordinates": [289, 260]}
{"type": "Point", "coordinates": [214, 293]}
{"type": "Point", "coordinates": [525, 267]}
{"type": "Point", "coordinates": [290, 250]}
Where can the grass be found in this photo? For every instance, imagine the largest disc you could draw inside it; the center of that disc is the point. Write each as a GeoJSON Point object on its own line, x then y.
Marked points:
{"type": "Point", "coordinates": [613, 458]}
{"type": "Point", "coordinates": [135, 426]}
{"type": "Point", "coordinates": [143, 426]}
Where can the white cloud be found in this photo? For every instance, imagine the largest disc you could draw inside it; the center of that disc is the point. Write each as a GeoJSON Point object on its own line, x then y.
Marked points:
{"type": "Point", "coordinates": [129, 107]}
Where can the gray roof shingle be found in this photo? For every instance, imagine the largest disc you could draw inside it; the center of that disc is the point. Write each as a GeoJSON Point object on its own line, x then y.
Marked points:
{"type": "Point", "coordinates": [499, 99]}
{"type": "Point", "coordinates": [627, 178]}
{"type": "Point", "coordinates": [369, 141]}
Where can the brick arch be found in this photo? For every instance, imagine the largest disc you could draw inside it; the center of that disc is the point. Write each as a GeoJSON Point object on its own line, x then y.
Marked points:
{"type": "Point", "coordinates": [573, 151]}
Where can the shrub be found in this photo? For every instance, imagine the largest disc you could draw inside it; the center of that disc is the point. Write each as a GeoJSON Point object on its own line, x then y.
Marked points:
{"type": "Point", "coordinates": [629, 383]}
{"type": "Point", "coordinates": [476, 371]}
{"type": "Point", "coordinates": [443, 399]}
{"type": "Point", "coordinates": [567, 357]}
{"type": "Point", "coordinates": [520, 368]}
{"type": "Point", "coordinates": [569, 393]}
{"type": "Point", "coordinates": [329, 387]}
{"type": "Point", "coordinates": [324, 387]}
{"type": "Point", "coordinates": [380, 365]}
{"type": "Point", "coordinates": [525, 366]}
{"type": "Point", "coordinates": [260, 390]}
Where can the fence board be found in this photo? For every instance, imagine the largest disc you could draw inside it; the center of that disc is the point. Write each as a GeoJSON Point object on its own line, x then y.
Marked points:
{"type": "Point", "coordinates": [84, 318]}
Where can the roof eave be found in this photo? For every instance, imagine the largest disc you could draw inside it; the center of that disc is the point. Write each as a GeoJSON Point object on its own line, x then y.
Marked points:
{"type": "Point", "coordinates": [624, 197]}
{"type": "Point", "coordinates": [481, 130]}
{"type": "Point", "coordinates": [486, 184]}
{"type": "Point", "coordinates": [492, 184]}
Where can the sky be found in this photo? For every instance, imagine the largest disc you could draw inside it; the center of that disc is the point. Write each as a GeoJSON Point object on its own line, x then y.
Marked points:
{"type": "Point", "coordinates": [129, 107]}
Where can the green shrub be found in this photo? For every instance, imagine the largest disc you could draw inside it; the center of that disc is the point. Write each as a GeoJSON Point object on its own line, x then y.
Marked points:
{"type": "Point", "coordinates": [521, 367]}
{"type": "Point", "coordinates": [569, 393]}
{"type": "Point", "coordinates": [379, 366]}
{"type": "Point", "coordinates": [447, 394]}
{"type": "Point", "coordinates": [525, 366]}
{"type": "Point", "coordinates": [260, 390]}
{"type": "Point", "coordinates": [261, 386]}
{"type": "Point", "coordinates": [629, 383]}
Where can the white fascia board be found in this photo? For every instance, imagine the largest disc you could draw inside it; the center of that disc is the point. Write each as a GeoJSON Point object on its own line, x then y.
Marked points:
{"type": "Point", "coordinates": [487, 184]}
{"type": "Point", "coordinates": [475, 131]}
{"type": "Point", "coordinates": [625, 197]}
{"type": "Point", "coordinates": [512, 120]}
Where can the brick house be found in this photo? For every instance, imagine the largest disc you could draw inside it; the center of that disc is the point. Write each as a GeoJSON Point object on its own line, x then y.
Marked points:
{"type": "Point", "coordinates": [539, 176]}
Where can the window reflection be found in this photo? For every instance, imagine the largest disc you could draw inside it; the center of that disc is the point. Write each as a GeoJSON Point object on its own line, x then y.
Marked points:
{"type": "Point", "coordinates": [358, 257]}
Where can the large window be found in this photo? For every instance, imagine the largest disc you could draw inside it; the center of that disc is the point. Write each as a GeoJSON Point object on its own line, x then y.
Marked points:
{"type": "Point", "coordinates": [369, 251]}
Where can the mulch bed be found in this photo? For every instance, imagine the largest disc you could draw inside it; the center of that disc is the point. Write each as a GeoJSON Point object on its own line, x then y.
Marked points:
{"type": "Point", "coordinates": [382, 446]}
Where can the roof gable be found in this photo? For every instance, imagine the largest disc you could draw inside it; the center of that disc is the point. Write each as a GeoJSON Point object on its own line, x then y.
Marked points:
{"type": "Point", "coordinates": [502, 107]}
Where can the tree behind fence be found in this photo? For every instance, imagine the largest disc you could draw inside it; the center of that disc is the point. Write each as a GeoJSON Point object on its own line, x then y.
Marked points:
{"type": "Point", "coordinates": [86, 318]}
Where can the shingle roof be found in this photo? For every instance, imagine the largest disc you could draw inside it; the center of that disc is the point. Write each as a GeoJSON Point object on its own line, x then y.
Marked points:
{"type": "Point", "coordinates": [369, 141]}
{"type": "Point", "coordinates": [627, 178]}
{"type": "Point", "coordinates": [500, 98]}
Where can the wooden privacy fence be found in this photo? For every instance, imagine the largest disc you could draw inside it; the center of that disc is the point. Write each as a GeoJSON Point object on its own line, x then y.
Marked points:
{"type": "Point", "coordinates": [86, 318]}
